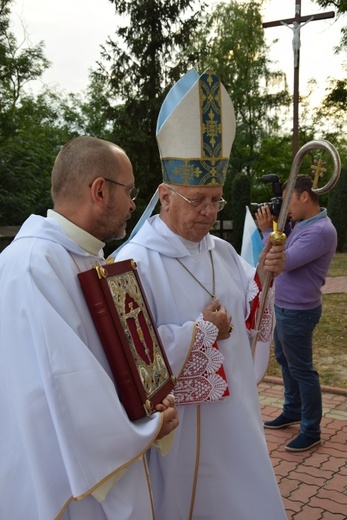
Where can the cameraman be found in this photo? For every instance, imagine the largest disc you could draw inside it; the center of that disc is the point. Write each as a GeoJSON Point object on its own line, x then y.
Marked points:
{"type": "Point", "coordinates": [310, 247]}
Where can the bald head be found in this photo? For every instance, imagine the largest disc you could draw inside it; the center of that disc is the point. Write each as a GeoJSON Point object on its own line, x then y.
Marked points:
{"type": "Point", "coordinates": [78, 163]}
{"type": "Point", "coordinates": [92, 181]}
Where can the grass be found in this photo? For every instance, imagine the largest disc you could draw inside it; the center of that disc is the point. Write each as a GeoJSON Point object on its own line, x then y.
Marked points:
{"type": "Point", "coordinates": [330, 335]}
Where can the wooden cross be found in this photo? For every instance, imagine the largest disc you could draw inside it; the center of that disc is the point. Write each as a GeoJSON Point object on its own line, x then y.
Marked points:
{"type": "Point", "coordinates": [297, 22]}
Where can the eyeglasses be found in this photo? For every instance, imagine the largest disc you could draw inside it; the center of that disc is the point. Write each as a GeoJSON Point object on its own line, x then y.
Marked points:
{"type": "Point", "coordinates": [200, 204]}
{"type": "Point", "coordinates": [133, 192]}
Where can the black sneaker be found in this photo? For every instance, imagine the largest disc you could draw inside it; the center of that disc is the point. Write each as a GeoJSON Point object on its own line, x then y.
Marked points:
{"type": "Point", "coordinates": [280, 422]}
{"type": "Point", "coordinates": [302, 443]}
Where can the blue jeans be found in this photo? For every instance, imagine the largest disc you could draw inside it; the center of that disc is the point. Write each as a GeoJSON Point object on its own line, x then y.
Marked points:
{"type": "Point", "coordinates": [293, 351]}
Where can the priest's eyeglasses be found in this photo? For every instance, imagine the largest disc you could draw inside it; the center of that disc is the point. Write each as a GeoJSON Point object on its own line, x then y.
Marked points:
{"type": "Point", "coordinates": [133, 192]}
{"type": "Point", "coordinates": [200, 204]}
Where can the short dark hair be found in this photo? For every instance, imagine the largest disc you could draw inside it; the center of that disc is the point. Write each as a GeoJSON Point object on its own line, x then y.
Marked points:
{"type": "Point", "coordinates": [304, 183]}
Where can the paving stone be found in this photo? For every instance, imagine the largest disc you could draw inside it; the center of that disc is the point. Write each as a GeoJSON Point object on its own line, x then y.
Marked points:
{"type": "Point", "coordinates": [312, 483]}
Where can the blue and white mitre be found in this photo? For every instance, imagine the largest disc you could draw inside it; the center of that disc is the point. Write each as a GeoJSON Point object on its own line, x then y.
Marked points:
{"type": "Point", "coordinates": [195, 131]}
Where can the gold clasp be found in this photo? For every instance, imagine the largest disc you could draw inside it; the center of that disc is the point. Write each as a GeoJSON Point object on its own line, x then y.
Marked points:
{"type": "Point", "coordinates": [101, 271]}
{"type": "Point", "coordinates": [148, 407]}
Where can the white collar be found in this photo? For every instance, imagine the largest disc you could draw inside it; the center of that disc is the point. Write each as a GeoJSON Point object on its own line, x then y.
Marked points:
{"type": "Point", "coordinates": [82, 238]}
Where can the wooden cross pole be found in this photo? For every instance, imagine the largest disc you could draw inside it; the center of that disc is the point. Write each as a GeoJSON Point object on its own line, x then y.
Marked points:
{"type": "Point", "coordinates": [297, 22]}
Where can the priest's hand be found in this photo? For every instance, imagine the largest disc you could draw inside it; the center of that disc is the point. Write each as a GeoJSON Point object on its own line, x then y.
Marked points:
{"type": "Point", "coordinates": [217, 314]}
{"type": "Point", "coordinates": [170, 418]}
{"type": "Point", "coordinates": [167, 402]}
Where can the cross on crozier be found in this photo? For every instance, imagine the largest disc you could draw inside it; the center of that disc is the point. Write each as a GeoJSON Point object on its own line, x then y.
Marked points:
{"type": "Point", "coordinates": [317, 168]}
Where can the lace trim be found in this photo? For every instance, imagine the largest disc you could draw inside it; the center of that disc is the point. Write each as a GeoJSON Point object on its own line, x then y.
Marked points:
{"type": "Point", "coordinates": [203, 378]}
{"type": "Point", "coordinates": [252, 293]}
{"type": "Point", "coordinates": [266, 326]}
{"type": "Point", "coordinates": [265, 331]}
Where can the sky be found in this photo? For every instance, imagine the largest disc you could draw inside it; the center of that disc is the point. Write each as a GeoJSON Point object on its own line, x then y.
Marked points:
{"type": "Point", "coordinates": [73, 31]}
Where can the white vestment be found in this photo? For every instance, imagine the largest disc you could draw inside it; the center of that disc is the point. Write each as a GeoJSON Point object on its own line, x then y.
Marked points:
{"type": "Point", "coordinates": [67, 447]}
{"type": "Point", "coordinates": [235, 479]}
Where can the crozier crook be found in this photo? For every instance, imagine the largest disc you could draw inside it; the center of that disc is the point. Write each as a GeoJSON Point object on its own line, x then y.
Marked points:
{"type": "Point", "coordinates": [278, 237]}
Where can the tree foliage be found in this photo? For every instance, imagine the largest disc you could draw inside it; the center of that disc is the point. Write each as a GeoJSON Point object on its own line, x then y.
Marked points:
{"type": "Point", "coordinates": [335, 101]}
{"type": "Point", "coordinates": [18, 66]}
{"type": "Point", "coordinates": [231, 42]}
{"type": "Point", "coordinates": [137, 67]}
{"type": "Point", "coordinates": [340, 7]}
{"type": "Point", "coordinates": [337, 210]}
{"type": "Point", "coordinates": [234, 43]}
{"type": "Point", "coordinates": [241, 192]}
{"type": "Point", "coordinates": [31, 128]}
{"type": "Point", "coordinates": [152, 47]}
{"type": "Point", "coordinates": [27, 155]}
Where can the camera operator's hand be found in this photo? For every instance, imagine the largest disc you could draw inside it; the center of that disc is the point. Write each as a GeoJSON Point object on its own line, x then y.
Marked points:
{"type": "Point", "coordinates": [264, 218]}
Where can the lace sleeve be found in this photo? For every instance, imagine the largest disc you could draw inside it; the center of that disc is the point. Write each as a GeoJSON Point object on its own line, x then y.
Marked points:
{"type": "Point", "coordinates": [254, 296]}
{"type": "Point", "coordinates": [203, 379]}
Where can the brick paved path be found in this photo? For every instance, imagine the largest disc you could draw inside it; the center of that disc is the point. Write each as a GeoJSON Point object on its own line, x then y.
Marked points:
{"type": "Point", "coordinates": [335, 284]}
{"type": "Point", "coordinates": [313, 483]}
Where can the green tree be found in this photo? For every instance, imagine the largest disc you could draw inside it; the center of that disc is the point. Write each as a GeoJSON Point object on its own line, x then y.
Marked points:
{"type": "Point", "coordinates": [27, 156]}
{"type": "Point", "coordinates": [340, 6]}
{"type": "Point", "coordinates": [337, 210]}
{"type": "Point", "coordinates": [335, 103]}
{"type": "Point", "coordinates": [234, 43]}
{"type": "Point", "coordinates": [18, 66]}
{"type": "Point", "coordinates": [332, 118]}
{"type": "Point", "coordinates": [231, 42]}
{"type": "Point", "coordinates": [241, 192]}
{"type": "Point", "coordinates": [137, 67]}
{"type": "Point", "coordinates": [31, 128]}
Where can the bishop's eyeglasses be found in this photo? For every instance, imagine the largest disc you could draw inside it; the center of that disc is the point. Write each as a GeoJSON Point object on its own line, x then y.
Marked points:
{"type": "Point", "coordinates": [201, 204]}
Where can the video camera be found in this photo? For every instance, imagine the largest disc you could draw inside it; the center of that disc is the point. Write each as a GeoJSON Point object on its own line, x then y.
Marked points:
{"type": "Point", "coordinates": [276, 201]}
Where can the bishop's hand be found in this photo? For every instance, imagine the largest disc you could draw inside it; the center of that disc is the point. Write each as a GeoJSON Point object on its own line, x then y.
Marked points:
{"type": "Point", "coordinates": [217, 314]}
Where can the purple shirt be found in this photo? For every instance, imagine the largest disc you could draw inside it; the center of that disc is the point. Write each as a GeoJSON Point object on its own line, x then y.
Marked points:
{"type": "Point", "coordinates": [310, 248]}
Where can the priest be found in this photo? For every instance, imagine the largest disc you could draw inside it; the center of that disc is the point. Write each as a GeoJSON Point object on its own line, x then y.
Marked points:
{"type": "Point", "coordinates": [67, 447]}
